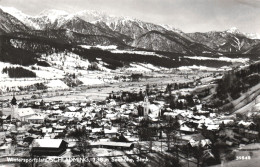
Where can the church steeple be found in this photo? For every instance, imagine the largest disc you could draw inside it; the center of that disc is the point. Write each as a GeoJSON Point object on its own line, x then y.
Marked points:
{"type": "Point", "coordinates": [146, 105]}
{"type": "Point", "coordinates": [14, 101]}
{"type": "Point", "coordinates": [146, 99]}
{"type": "Point", "coordinates": [147, 90]}
{"type": "Point", "coordinates": [13, 107]}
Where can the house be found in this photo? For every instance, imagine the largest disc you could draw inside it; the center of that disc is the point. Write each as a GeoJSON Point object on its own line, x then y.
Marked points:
{"type": "Point", "coordinates": [5, 149]}
{"type": "Point", "coordinates": [186, 129]}
{"type": "Point", "coordinates": [71, 109]}
{"type": "Point", "coordinates": [243, 126]}
{"type": "Point", "coordinates": [24, 113]}
{"type": "Point", "coordinates": [46, 130]}
{"type": "Point", "coordinates": [48, 147]}
{"type": "Point", "coordinates": [68, 115]}
{"type": "Point", "coordinates": [2, 136]}
{"type": "Point", "coordinates": [111, 132]}
{"type": "Point", "coordinates": [37, 119]}
{"type": "Point", "coordinates": [251, 134]}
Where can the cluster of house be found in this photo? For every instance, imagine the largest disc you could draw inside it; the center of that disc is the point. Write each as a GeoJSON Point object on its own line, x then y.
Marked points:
{"type": "Point", "coordinates": [53, 122]}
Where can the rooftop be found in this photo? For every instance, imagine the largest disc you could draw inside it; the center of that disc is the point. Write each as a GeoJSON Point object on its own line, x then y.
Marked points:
{"type": "Point", "coordinates": [47, 143]}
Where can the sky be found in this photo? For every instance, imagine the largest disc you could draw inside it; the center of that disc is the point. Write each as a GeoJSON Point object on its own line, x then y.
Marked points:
{"type": "Point", "coordinates": [186, 15]}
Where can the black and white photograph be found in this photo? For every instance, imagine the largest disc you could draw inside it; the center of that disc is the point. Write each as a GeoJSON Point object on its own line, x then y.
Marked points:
{"type": "Point", "coordinates": [129, 83]}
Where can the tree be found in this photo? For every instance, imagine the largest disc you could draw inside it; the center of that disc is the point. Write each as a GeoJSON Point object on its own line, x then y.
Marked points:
{"type": "Point", "coordinates": [172, 104]}
{"type": "Point", "coordinates": [171, 161]}
{"type": "Point", "coordinates": [83, 144]}
{"type": "Point", "coordinates": [171, 131]}
{"type": "Point", "coordinates": [169, 89]}
{"type": "Point", "coordinates": [180, 105]}
{"type": "Point", "coordinates": [198, 154]}
{"type": "Point", "coordinates": [146, 133]}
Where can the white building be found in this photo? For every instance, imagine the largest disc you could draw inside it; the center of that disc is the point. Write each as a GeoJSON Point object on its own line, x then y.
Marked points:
{"type": "Point", "coordinates": [146, 106]}
{"type": "Point", "coordinates": [24, 113]}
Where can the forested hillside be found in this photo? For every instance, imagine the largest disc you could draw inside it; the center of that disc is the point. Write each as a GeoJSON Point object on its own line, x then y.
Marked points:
{"type": "Point", "coordinates": [236, 83]}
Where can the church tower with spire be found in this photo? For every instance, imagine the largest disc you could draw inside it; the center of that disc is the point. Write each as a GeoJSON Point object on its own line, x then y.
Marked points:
{"type": "Point", "coordinates": [146, 105]}
{"type": "Point", "coordinates": [14, 107]}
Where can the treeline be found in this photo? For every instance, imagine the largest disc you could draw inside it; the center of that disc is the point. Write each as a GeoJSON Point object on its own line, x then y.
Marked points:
{"type": "Point", "coordinates": [18, 72]}
{"type": "Point", "coordinates": [14, 55]}
{"type": "Point", "coordinates": [23, 55]}
{"type": "Point", "coordinates": [29, 48]}
{"type": "Point", "coordinates": [116, 60]}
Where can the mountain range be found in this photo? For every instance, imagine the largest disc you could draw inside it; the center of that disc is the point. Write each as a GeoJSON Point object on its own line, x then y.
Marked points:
{"type": "Point", "coordinates": [98, 28]}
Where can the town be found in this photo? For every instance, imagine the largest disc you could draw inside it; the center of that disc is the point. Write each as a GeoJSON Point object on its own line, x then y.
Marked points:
{"type": "Point", "coordinates": [129, 128]}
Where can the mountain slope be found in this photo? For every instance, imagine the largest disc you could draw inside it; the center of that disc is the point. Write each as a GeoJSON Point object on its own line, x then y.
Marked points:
{"type": "Point", "coordinates": [227, 41]}
{"type": "Point", "coordinates": [124, 25]}
{"type": "Point", "coordinates": [72, 37]}
{"type": "Point", "coordinates": [132, 28]}
{"type": "Point", "coordinates": [255, 49]}
{"type": "Point", "coordinates": [98, 28]}
{"type": "Point", "coordinates": [170, 42]}
{"type": "Point", "coordinates": [10, 24]}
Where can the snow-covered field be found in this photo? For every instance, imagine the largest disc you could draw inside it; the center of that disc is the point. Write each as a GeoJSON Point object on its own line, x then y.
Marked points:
{"type": "Point", "coordinates": [66, 61]}
{"type": "Point", "coordinates": [141, 67]}
{"type": "Point", "coordinates": [56, 84]}
{"type": "Point", "coordinates": [91, 81]}
{"type": "Point", "coordinates": [227, 59]}
{"type": "Point", "coordinates": [202, 68]}
{"type": "Point", "coordinates": [13, 84]}
{"type": "Point", "coordinates": [7, 83]}
{"type": "Point", "coordinates": [109, 47]}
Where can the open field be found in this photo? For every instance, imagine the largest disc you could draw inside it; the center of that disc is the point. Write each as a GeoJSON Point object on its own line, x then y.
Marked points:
{"type": "Point", "coordinates": [101, 91]}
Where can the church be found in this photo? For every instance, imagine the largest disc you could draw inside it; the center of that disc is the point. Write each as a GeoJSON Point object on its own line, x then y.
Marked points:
{"type": "Point", "coordinates": [149, 110]}
{"type": "Point", "coordinates": [20, 113]}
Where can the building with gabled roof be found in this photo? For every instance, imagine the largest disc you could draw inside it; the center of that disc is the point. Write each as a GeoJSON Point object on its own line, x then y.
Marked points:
{"type": "Point", "coordinates": [48, 147]}
{"type": "Point", "coordinates": [24, 113]}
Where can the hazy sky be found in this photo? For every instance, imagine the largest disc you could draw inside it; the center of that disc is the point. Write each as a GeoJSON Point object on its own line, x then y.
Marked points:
{"type": "Point", "coordinates": [187, 15]}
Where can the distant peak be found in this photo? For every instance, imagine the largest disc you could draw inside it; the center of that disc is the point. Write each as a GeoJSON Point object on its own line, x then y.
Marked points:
{"type": "Point", "coordinates": [13, 11]}
{"type": "Point", "coordinates": [53, 12]}
{"type": "Point", "coordinates": [171, 28]}
{"type": "Point", "coordinates": [233, 30]}
{"type": "Point", "coordinates": [93, 15]}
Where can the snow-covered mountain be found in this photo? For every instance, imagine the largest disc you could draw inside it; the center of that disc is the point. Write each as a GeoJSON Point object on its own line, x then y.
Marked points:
{"type": "Point", "coordinates": [45, 19]}
{"type": "Point", "coordinates": [9, 24]}
{"type": "Point", "coordinates": [252, 35]}
{"type": "Point", "coordinates": [49, 19]}
{"type": "Point", "coordinates": [54, 19]}
{"type": "Point", "coordinates": [235, 30]}
{"type": "Point", "coordinates": [93, 27]}
{"type": "Point", "coordinates": [231, 40]}
{"type": "Point", "coordinates": [124, 25]}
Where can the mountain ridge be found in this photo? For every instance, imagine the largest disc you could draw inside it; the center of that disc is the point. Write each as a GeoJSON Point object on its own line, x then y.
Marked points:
{"type": "Point", "coordinates": [129, 31]}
